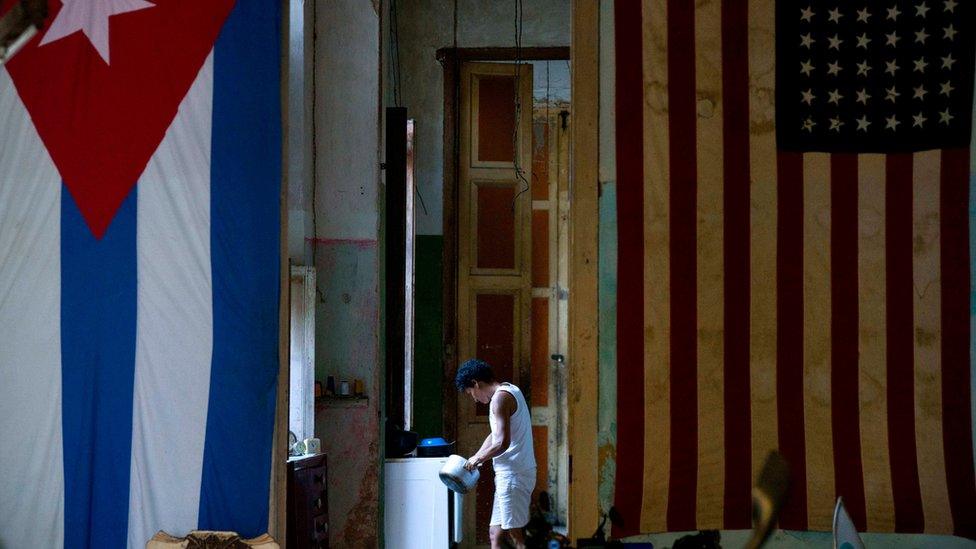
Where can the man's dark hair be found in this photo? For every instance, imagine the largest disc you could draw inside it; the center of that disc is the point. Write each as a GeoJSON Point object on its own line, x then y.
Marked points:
{"type": "Point", "coordinates": [473, 370]}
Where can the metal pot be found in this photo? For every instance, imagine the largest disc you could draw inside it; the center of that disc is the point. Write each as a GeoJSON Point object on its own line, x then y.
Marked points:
{"type": "Point", "coordinates": [456, 477]}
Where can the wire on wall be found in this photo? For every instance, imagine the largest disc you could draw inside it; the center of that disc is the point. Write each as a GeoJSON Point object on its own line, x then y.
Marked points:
{"type": "Point", "coordinates": [395, 53]}
{"type": "Point", "coordinates": [315, 219]}
{"type": "Point", "coordinates": [395, 76]}
{"type": "Point", "coordinates": [457, 102]}
{"type": "Point", "coordinates": [519, 172]}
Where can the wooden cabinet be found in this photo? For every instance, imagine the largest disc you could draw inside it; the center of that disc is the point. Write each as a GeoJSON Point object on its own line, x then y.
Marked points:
{"type": "Point", "coordinates": [308, 503]}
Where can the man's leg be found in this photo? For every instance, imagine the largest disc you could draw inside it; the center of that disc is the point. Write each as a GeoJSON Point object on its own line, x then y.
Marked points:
{"type": "Point", "coordinates": [516, 536]}
{"type": "Point", "coordinates": [496, 535]}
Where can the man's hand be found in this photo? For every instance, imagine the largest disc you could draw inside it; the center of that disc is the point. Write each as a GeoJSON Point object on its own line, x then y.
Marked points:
{"type": "Point", "coordinates": [471, 464]}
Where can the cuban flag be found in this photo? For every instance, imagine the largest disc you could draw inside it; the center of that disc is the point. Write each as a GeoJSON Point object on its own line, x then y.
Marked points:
{"type": "Point", "coordinates": [139, 273]}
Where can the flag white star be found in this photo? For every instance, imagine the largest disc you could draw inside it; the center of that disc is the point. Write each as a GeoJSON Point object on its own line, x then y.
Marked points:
{"type": "Point", "coordinates": [945, 117]}
{"type": "Point", "coordinates": [806, 40]}
{"type": "Point", "coordinates": [891, 67]}
{"type": "Point", "coordinates": [946, 88]}
{"type": "Point", "coordinates": [920, 93]}
{"type": "Point", "coordinates": [920, 36]}
{"type": "Point", "coordinates": [833, 68]}
{"type": "Point", "coordinates": [835, 42]}
{"type": "Point", "coordinates": [863, 15]}
{"type": "Point", "coordinates": [863, 68]}
{"type": "Point", "coordinates": [808, 96]}
{"type": "Point", "coordinates": [863, 40]}
{"type": "Point", "coordinates": [863, 96]}
{"type": "Point", "coordinates": [863, 123]}
{"type": "Point", "coordinates": [921, 10]}
{"type": "Point", "coordinates": [919, 120]}
{"type": "Point", "coordinates": [950, 6]}
{"type": "Point", "coordinates": [893, 13]}
{"type": "Point", "coordinates": [949, 32]}
{"type": "Point", "coordinates": [835, 15]}
{"type": "Point", "coordinates": [91, 17]}
{"type": "Point", "coordinates": [893, 39]}
{"type": "Point", "coordinates": [892, 123]}
{"type": "Point", "coordinates": [892, 94]}
{"type": "Point", "coordinates": [920, 65]}
{"type": "Point", "coordinates": [806, 67]}
{"type": "Point", "coordinates": [835, 97]}
{"type": "Point", "coordinates": [835, 124]}
{"type": "Point", "coordinates": [947, 62]}
{"type": "Point", "coordinates": [808, 124]}
{"type": "Point", "coordinates": [807, 14]}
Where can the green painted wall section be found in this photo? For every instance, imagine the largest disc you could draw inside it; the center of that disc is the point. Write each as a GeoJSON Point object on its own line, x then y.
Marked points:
{"type": "Point", "coordinates": [428, 336]}
{"type": "Point", "coordinates": [606, 436]}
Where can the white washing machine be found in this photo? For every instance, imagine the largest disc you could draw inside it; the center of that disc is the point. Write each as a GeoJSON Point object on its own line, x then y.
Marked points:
{"type": "Point", "coordinates": [420, 512]}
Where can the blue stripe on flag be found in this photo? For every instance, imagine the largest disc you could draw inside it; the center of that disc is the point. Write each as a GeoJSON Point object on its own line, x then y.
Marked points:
{"type": "Point", "coordinates": [245, 226]}
{"type": "Point", "coordinates": [98, 345]}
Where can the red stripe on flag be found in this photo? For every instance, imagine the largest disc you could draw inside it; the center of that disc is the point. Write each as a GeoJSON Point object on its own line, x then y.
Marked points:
{"type": "Point", "coordinates": [901, 344]}
{"type": "Point", "coordinates": [789, 334]}
{"type": "Point", "coordinates": [630, 266]}
{"type": "Point", "coordinates": [683, 483]}
{"type": "Point", "coordinates": [735, 138]}
{"type": "Point", "coordinates": [956, 419]}
{"type": "Point", "coordinates": [844, 398]}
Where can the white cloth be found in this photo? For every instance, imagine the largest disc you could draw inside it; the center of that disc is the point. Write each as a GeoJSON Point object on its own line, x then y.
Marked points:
{"type": "Point", "coordinates": [513, 493]}
{"type": "Point", "coordinates": [519, 456]}
{"type": "Point", "coordinates": [845, 533]}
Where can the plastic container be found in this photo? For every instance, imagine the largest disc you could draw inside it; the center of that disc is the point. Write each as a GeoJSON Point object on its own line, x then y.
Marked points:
{"type": "Point", "coordinates": [434, 447]}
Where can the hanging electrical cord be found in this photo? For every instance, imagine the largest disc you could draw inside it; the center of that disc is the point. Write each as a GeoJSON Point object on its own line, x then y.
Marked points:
{"type": "Point", "coordinates": [395, 52]}
{"type": "Point", "coordinates": [312, 160]}
{"type": "Point", "coordinates": [396, 77]}
{"type": "Point", "coordinates": [548, 100]}
{"type": "Point", "coordinates": [519, 173]}
{"type": "Point", "coordinates": [456, 152]}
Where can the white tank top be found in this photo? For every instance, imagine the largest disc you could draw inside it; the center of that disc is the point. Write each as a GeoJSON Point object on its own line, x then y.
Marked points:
{"type": "Point", "coordinates": [519, 456]}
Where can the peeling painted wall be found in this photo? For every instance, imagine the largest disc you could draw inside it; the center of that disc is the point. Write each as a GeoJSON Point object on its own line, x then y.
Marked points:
{"type": "Point", "coordinates": [298, 120]}
{"type": "Point", "coordinates": [607, 270]}
{"type": "Point", "coordinates": [347, 347]}
{"type": "Point", "coordinates": [345, 248]}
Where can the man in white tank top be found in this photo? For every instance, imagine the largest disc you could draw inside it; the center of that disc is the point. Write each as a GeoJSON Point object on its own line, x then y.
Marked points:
{"type": "Point", "coordinates": [509, 446]}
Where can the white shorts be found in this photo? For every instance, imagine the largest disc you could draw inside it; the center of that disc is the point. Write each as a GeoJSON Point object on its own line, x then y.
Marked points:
{"type": "Point", "coordinates": [513, 493]}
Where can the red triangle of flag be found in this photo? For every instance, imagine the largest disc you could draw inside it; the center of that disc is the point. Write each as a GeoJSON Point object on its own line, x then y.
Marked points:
{"type": "Point", "coordinates": [101, 122]}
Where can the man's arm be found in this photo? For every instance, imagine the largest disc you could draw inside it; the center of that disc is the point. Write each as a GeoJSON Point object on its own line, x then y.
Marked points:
{"type": "Point", "coordinates": [498, 440]}
{"type": "Point", "coordinates": [485, 446]}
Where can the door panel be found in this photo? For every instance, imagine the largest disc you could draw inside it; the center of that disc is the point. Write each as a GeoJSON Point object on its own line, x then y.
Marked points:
{"type": "Point", "coordinates": [496, 229]}
{"type": "Point", "coordinates": [494, 245]}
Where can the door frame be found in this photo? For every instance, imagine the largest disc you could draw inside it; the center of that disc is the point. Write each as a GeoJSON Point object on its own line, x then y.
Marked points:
{"type": "Point", "coordinates": [451, 60]}
{"type": "Point", "coordinates": [583, 366]}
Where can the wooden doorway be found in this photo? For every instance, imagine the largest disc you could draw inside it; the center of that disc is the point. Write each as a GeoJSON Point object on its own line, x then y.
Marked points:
{"type": "Point", "coordinates": [494, 261]}
{"type": "Point", "coordinates": [502, 303]}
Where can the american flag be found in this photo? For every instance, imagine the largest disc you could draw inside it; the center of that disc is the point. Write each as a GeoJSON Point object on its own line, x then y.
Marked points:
{"type": "Point", "coordinates": [874, 76]}
{"type": "Point", "coordinates": [793, 267]}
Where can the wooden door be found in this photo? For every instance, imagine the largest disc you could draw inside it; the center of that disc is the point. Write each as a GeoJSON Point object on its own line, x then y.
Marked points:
{"type": "Point", "coordinates": [494, 249]}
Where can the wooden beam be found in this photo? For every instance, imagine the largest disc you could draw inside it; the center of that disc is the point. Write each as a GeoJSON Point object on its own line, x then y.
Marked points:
{"type": "Point", "coordinates": [451, 64]}
{"type": "Point", "coordinates": [582, 362]}
{"type": "Point", "coordinates": [279, 445]}
{"type": "Point", "coordinates": [551, 53]}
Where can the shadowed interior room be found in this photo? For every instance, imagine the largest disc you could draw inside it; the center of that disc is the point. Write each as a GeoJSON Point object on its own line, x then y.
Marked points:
{"type": "Point", "coordinates": [428, 274]}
